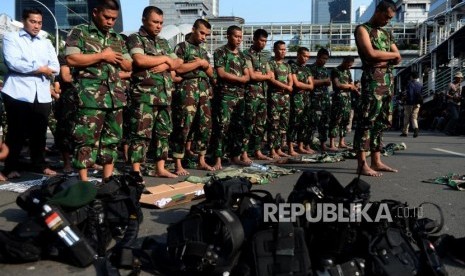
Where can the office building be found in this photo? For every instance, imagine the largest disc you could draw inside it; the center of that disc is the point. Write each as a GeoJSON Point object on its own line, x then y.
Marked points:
{"type": "Point", "coordinates": [68, 13]}
{"type": "Point", "coordinates": [186, 12]}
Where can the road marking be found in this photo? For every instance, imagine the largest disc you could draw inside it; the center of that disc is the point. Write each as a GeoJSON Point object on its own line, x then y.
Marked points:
{"type": "Point", "coordinates": [451, 152]}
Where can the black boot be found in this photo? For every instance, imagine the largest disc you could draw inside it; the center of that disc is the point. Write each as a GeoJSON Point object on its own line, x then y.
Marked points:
{"type": "Point", "coordinates": [415, 133]}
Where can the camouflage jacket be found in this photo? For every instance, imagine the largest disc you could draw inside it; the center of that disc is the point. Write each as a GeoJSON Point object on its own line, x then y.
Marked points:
{"type": "Point", "coordinates": [148, 87]}
{"type": "Point", "coordinates": [302, 73]}
{"type": "Point", "coordinates": [188, 52]}
{"type": "Point", "coordinates": [97, 85]}
{"type": "Point", "coordinates": [344, 77]}
{"type": "Point", "coordinates": [281, 72]}
{"type": "Point", "coordinates": [257, 61]}
{"type": "Point", "coordinates": [319, 73]}
{"type": "Point", "coordinates": [232, 63]}
{"type": "Point", "coordinates": [380, 39]}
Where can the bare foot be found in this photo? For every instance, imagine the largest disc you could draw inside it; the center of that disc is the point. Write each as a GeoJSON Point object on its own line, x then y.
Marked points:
{"type": "Point", "coordinates": [260, 156]}
{"type": "Point", "coordinates": [165, 173]}
{"type": "Point", "coordinates": [2, 177]}
{"type": "Point", "coordinates": [237, 161]}
{"type": "Point", "coordinates": [217, 165]}
{"type": "Point", "coordinates": [245, 158]}
{"type": "Point", "coordinates": [181, 171]}
{"type": "Point", "coordinates": [383, 168]}
{"type": "Point", "coordinates": [343, 146]}
{"type": "Point", "coordinates": [49, 172]}
{"type": "Point", "coordinates": [369, 172]}
{"type": "Point", "coordinates": [302, 151]}
{"type": "Point", "coordinates": [13, 175]}
{"type": "Point", "coordinates": [309, 150]}
{"type": "Point", "coordinates": [205, 167]}
{"type": "Point", "coordinates": [281, 153]}
{"type": "Point", "coordinates": [293, 153]}
{"type": "Point", "coordinates": [332, 149]}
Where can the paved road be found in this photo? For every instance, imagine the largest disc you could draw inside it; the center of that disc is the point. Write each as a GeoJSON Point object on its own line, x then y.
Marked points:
{"type": "Point", "coordinates": [428, 156]}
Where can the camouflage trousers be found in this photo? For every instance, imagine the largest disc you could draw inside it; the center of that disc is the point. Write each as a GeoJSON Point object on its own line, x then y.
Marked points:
{"type": "Point", "coordinates": [65, 113]}
{"type": "Point", "coordinates": [96, 135]}
{"type": "Point", "coordinates": [145, 120]}
{"type": "Point", "coordinates": [320, 108]}
{"type": "Point", "coordinates": [228, 125]}
{"type": "Point", "coordinates": [254, 120]}
{"type": "Point", "coordinates": [374, 110]}
{"type": "Point", "coordinates": [191, 116]}
{"type": "Point", "coordinates": [298, 119]}
{"type": "Point", "coordinates": [278, 116]}
{"type": "Point", "coordinates": [340, 115]}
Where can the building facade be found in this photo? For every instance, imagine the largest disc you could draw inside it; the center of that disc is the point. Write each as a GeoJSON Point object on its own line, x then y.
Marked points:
{"type": "Point", "coordinates": [68, 13]}
{"type": "Point", "coordinates": [186, 12]}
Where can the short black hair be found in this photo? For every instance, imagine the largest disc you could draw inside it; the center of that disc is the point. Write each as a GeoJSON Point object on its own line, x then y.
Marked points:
{"type": "Point", "coordinates": [348, 59]}
{"type": "Point", "coordinates": [29, 11]}
{"type": "Point", "coordinates": [384, 5]}
{"type": "Point", "coordinates": [322, 51]}
{"type": "Point", "coordinates": [203, 22]}
{"type": "Point", "coordinates": [149, 9]}
{"type": "Point", "coordinates": [414, 75]}
{"type": "Point", "coordinates": [260, 33]}
{"type": "Point", "coordinates": [233, 28]}
{"type": "Point", "coordinates": [302, 49]}
{"type": "Point", "coordinates": [278, 43]}
{"type": "Point", "coordinates": [107, 5]}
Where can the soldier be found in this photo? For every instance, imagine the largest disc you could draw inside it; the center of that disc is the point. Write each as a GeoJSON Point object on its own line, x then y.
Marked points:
{"type": "Point", "coordinates": [192, 99]}
{"type": "Point", "coordinates": [378, 53]}
{"type": "Point", "coordinates": [343, 86]}
{"type": "Point", "coordinates": [232, 76]}
{"type": "Point", "coordinates": [97, 54]}
{"type": "Point", "coordinates": [65, 111]}
{"type": "Point", "coordinates": [152, 80]}
{"type": "Point", "coordinates": [320, 103]}
{"type": "Point", "coordinates": [255, 97]}
{"type": "Point", "coordinates": [299, 123]}
{"type": "Point", "coordinates": [278, 100]}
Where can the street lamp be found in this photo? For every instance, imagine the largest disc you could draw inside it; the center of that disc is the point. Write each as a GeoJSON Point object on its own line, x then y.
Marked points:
{"type": "Point", "coordinates": [331, 27]}
{"type": "Point", "coordinates": [56, 24]}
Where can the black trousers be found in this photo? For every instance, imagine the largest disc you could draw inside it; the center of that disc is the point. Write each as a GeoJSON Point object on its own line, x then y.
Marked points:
{"type": "Point", "coordinates": [26, 120]}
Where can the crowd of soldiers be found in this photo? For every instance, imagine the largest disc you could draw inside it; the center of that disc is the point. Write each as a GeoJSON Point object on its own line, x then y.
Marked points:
{"type": "Point", "coordinates": [139, 88]}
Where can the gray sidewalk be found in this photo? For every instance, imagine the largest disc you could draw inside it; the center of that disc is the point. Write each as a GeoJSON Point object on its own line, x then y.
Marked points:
{"type": "Point", "coordinates": [428, 156]}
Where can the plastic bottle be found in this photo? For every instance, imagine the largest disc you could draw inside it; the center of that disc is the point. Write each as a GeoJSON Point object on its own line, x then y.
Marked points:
{"type": "Point", "coordinates": [259, 167]}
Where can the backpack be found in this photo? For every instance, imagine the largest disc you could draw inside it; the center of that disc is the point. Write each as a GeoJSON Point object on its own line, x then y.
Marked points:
{"type": "Point", "coordinates": [391, 253]}
{"type": "Point", "coordinates": [205, 242]}
{"type": "Point", "coordinates": [225, 191]}
{"type": "Point", "coordinates": [333, 241]}
{"type": "Point", "coordinates": [273, 248]}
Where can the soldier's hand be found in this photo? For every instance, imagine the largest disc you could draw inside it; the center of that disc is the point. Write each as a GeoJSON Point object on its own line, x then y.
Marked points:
{"type": "Point", "coordinates": [159, 68]}
{"type": "Point", "coordinates": [111, 56]}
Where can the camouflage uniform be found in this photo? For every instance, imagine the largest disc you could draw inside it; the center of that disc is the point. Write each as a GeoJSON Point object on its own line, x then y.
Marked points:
{"type": "Point", "coordinates": [320, 103]}
{"type": "Point", "coordinates": [229, 122]}
{"type": "Point", "coordinates": [341, 106]}
{"type": "Point", "coordinates": [255, 100]}
{"type": "Point", "coordinates": [375, 109]}
{"type": "Point", "coordinates": [150, 100]}
{"type": "Point", "coordinates": [299, 125]}
{"type": "Point", "coordinates": [65, 111]}
{"type": "Point", "coordinates": [100, 97]}
{"type": "Point", "coordinates": [278, 105]}
{"type": "Point", "coordinates": [191, 102]}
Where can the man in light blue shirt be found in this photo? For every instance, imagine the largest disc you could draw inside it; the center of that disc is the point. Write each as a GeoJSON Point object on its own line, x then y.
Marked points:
{"type": "Point", "coordinates": [31, 62]}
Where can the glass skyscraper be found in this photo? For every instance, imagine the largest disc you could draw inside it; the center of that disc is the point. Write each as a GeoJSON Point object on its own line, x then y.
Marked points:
{"type": "Point", "coordinates": [68, 13]}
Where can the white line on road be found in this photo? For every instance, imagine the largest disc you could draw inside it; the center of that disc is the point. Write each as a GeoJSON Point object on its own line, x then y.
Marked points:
{"type": "Point", "coordinates": [451, 152]}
